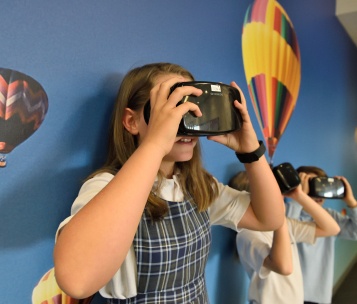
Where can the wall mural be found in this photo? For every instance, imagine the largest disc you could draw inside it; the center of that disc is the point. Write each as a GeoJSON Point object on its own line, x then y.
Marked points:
{"type": "Point", "coordinates": [48, 292]}
{"type": "Point", "coordinates": [23, 107]}
{"type": "Point", "coordinates": [271, 59]}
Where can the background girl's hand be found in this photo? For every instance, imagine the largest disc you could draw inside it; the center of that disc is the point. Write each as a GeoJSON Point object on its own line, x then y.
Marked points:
{"type": "Point", "coordinates": [349, 198]}
{"type": "Point", "coordinates": [165, 115]}
{"type": "Point", "coordinates": [304, 177]}
{"type": "Point", "coordinates": [244, 140]}
{"type": "Point", "coordinates": [296, 193]}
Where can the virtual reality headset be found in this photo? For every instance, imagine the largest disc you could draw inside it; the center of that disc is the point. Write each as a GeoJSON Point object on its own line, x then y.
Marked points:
{"type": "Point", "coordinates": [287, 177]}
{"type": "Point", "coordinates": [323, 187]}
{"type": "Point", "coordinates": [326, 187]}
{"type": "Point", "coordinates": [219, 115]}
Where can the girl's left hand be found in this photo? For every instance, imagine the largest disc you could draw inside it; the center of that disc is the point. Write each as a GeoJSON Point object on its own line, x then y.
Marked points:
{"type": "Point", "coordinates": [349, 198]}
{"type": "Point", "coordinates": [244, 140]}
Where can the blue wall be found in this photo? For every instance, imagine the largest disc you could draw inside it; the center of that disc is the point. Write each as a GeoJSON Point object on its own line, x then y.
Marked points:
{"type": "Point", "coordinates": [79, 51]}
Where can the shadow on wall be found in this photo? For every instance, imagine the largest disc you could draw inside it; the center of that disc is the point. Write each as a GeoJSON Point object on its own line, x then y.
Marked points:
{"type": "Point", "coordinates": [231, 280]}
{"type": "Point", "coordinates": [39, 199]}
{"type": "Point", "coordinates": [226, 279]}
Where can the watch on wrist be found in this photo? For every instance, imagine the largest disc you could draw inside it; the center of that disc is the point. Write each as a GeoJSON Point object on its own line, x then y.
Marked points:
{"type": "Point", "coordinates": [252, 156]}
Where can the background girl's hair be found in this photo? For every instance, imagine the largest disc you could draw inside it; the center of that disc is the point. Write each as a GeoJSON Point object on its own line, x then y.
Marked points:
{"type": "Point", "coordinates": [312, 169]}
{"type": "Point", "coordinates": [133, 93]}
{"type": "Point", "coordinates": [240, 181]}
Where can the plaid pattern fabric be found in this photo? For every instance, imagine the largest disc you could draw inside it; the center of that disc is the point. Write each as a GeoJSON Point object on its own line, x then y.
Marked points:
{"type": "Point", "coordinates": [171, 256]}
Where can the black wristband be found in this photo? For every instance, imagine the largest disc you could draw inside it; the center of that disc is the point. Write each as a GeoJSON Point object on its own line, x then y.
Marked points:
{"type": "Point", "coordinates": [252, 156]}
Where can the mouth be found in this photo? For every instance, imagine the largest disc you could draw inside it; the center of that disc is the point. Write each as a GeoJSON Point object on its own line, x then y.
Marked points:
{"type": "Point", "coordinates": [185, 140]}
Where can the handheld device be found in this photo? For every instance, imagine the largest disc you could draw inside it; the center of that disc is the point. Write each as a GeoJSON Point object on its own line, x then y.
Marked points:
{"type": "Point", "coordinates": [326, 187]}
{"type": "Point", "coordinates": [219, 115]}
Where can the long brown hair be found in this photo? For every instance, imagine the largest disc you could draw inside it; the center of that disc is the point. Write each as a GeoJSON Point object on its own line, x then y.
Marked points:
{"type": "Point", "coordinates": [197, 184]}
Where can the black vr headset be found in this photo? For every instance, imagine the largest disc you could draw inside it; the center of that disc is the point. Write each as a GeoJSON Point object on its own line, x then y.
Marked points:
{"type": "Point", "coordinates": [326, 187]}
{"type": "Point", "coordinates": [322, 187]}
{"type": "Point", "coordinates": [219, 115]}
{"type": "Point", "coordinates": [287, 177]}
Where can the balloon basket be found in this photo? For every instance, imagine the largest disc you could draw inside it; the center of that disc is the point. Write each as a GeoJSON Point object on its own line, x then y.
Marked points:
{"type": "Point", "coordinates": [271, 165]}
{"type": "Point", "coordinates": [2, 161]}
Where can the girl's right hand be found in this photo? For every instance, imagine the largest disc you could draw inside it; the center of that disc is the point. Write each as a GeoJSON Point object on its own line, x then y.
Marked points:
{"type": "Point", "coordinates": [304, 177]}
{"type": "Point", "coordinates": [296, 193]}
{"type": "Point", "coordinates": [165, 115]}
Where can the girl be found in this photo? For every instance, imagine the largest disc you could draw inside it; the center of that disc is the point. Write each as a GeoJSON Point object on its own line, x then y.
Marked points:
{"type": "Point", "coordinates": [140, 226]}
{"type": "Point", "coordinates": [318, 260]}
{"type": "Point", "coordinates": [271, 258]}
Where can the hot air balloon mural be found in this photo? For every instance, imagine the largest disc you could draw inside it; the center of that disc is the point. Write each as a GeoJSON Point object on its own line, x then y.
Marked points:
{"type": "Point", "coordinates": [23, 107]}
{"type": "Point", "coordinates": [271, 59]}
{"type": "Point", "coordinates": [48, 292]}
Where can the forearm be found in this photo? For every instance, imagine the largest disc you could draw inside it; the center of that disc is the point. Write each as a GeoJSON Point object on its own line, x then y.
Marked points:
{"type": "Point", "coordinates": [266, 199]}
{"type": "Point", "coordinates": [350, 201]}
{"type": "Point", "coordinates": [280, 259]}
{"type": "Point", "coordinates": [93, 245]}
{"type": "Point", "coordinates": [325, 224]}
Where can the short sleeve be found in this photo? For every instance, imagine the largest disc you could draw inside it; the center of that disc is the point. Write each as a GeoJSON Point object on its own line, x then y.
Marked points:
{"type": "Point", "coordinates": [124, 283]}
{"type": "Point", "coordinates": [228, 209]}
{"type": "Point", "coordinates": [302, 231]}
{"type": "Point", "coordinates": [347, 222]}
{"type": "Point", "coordinates": [253, 248]}
{"type": "Point", "coordinates": [88, 190]}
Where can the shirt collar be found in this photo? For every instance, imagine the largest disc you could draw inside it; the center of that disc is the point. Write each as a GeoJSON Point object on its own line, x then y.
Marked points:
{"type": "Point", "coordinates": [170, 189]}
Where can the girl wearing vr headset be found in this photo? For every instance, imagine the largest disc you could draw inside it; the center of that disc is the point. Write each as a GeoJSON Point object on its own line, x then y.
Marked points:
{"type": "Point", "coordinates": [271, 258]}
{"type": "Point", "coordinates": [317, 260]}
{"type": "Point", "coordinates": [140, 227]}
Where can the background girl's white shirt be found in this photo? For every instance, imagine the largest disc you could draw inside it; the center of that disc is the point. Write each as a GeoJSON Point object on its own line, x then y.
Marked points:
{"type": "Point", "coordinates": [267, 286]}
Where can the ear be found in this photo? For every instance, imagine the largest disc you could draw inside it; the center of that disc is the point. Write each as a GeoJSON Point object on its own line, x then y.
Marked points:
{"type": "Point", "coordinates": [131, 121]}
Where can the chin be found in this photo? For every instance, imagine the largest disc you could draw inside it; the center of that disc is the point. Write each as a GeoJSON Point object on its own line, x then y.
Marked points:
{"type": "Point", "coordinates": [178, 157]}
{"type": "Point", "coordinates": [182, 152]}
{"type": "Point", "coordinates": [183, 159]}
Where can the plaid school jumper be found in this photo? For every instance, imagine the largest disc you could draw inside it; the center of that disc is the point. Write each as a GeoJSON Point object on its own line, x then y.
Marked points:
{"type": "Point", "coordinates": [171, 257]}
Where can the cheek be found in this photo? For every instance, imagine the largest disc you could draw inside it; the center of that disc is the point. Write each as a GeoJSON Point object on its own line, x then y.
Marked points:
{"type": "Point", "coordinates": [142, 129]}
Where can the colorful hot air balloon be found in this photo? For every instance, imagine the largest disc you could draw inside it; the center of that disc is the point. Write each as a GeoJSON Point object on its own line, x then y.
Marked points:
{"type": "Point", "coordinates": [23, 106]}
{"type": "Point", "coordinates": [271, 58]}
{"type": "Point", "coordinates": [48, 292]}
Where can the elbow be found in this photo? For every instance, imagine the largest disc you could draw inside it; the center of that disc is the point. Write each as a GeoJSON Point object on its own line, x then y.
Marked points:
{"type": "Point", "coordinates": [327, 232]}
{"type": "Point", "coordinates": [73, 283]}
{"type": "Point", "coordinates": [273, 223]}
{"type": "Point", "coordinates": [285, 269]}
{"type": "Point", "coordinates": [334, 229]}
{"type": "Point", "coordinates": [71, 287]}
{"type": "Point", "coordinates": [282, 266]}
{"type": "Point", "coordinates": [337, 230]}
{"type": "Point", "coordinates": [275, 220]}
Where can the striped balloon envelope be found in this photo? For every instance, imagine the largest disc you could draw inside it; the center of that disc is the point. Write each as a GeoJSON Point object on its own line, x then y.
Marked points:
{"type": "Point", "coordinates": [272, 67]}
{"type": "Point", "coordinates": [23, 107]}
{"type": "Point", "coordinates": [48, 292]}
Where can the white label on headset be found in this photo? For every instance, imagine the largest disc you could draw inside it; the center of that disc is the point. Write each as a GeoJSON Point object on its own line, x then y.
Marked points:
{"type": "Point", "coordinates": [215, 88]}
